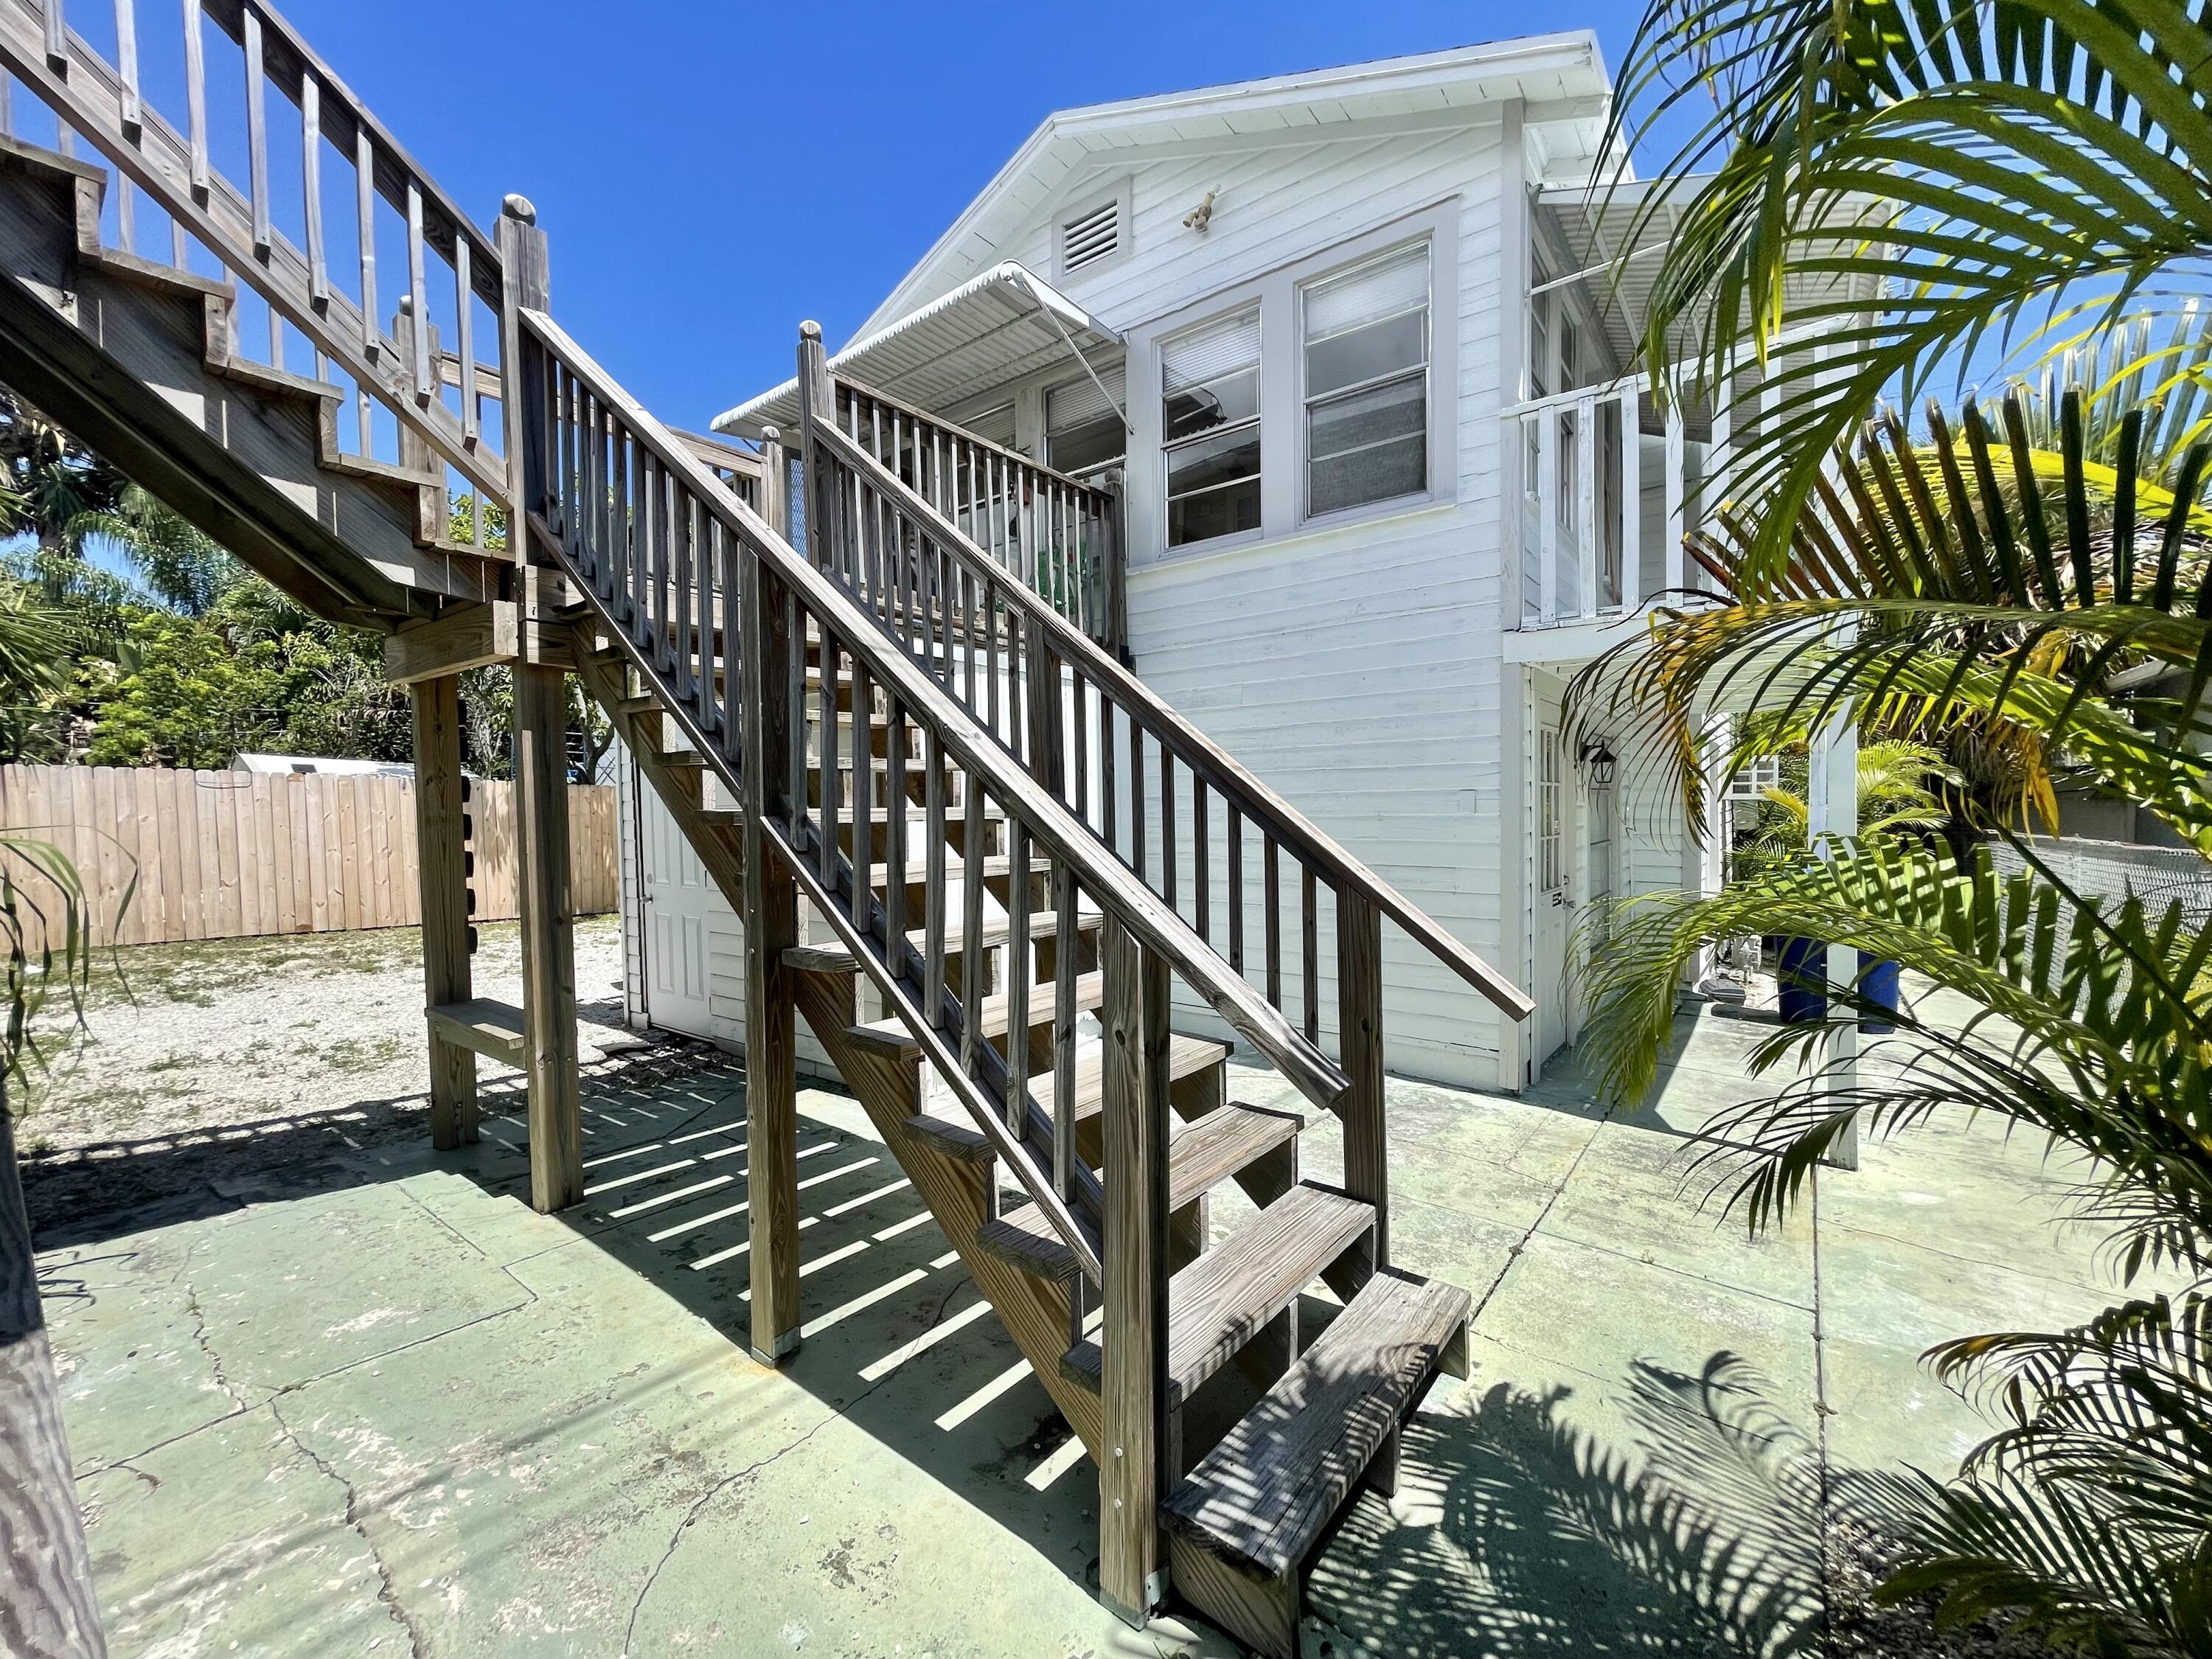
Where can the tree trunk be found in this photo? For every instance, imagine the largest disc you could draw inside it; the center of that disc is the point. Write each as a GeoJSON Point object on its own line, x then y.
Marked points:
{"type": "Point", "coordinates": [46, 1605]}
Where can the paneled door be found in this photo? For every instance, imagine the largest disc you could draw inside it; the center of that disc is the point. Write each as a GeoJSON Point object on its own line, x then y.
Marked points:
{"type": "Point", "coordinates": [677, 896]}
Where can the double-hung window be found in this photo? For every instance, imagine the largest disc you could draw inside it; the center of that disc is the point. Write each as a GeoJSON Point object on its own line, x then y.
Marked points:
{"type": "Point", "coordinates": [1366, 345]}
{"type": "Point", "coordinates": [1209, 429]}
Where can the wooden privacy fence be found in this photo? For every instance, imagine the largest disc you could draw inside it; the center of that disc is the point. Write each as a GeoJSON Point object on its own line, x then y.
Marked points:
{"type": "Point", "coordinates": [245, 854]}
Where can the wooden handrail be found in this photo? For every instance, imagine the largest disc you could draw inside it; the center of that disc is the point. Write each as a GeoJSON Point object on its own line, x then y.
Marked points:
{"type": "Point", "coordinates": [1041, 814]}
{"type": "Point", "coordinates": [1220, 770]}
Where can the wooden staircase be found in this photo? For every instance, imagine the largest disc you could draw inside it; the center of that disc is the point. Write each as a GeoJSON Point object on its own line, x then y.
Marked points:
{"type": "Point", "coordinates": [1050, 905]}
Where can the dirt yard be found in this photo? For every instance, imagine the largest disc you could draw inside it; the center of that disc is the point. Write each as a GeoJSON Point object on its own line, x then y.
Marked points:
{"type": "Point", "coordinates": [229, 1043]}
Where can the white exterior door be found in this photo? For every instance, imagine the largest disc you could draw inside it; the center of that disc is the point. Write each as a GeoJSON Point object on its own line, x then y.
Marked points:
{"type": "Point", "coordinates": [677, 896]}
{"type": "Point", "coordinates": [1554, 788]}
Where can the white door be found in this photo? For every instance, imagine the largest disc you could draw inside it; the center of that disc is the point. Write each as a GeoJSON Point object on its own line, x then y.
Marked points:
{"type": "Point", "coordinates": [1553, 913]}
{"type": "Point", "coordinates": [678, 894]}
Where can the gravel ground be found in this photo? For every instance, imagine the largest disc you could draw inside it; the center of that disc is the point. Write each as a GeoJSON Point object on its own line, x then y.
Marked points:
{"type": "Point", "coordinates": [184, 1037]}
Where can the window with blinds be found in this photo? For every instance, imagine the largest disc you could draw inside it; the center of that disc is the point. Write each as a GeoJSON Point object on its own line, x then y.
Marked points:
{"type": "Point", "coordinates": [1366, 347]}
{"type": "Point", "coordinates": [1083, 430]}
{"type": "Point", "coordinates": [1210, 420]}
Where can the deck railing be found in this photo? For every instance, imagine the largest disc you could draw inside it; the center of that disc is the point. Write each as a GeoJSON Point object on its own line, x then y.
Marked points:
{"type": "Point", "coordinates": [331, 222]}
{"type": "Point", "coordinates": [1055, 534]}
{"type": "Point", "coordinates": [1248, 874]}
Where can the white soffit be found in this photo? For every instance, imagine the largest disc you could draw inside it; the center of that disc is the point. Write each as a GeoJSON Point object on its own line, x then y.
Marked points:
{"type": "Point", "coordinates": [991, 329]}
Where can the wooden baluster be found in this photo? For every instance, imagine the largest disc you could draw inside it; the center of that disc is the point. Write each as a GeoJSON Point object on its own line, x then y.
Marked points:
{"type": "Point", "coordinates": [827, 850]}
{"type": "Point", "coordinates": [896, 852]}
{"type": "Point", "coordinates": [1168, 826]}
{"type": "Point", "coordinates": [1236, 893]}
{"type": "Point", "coordinates": [1547, 521]}
{"type": "Point", "coordinates": [426, 384]}
{"type": "Point", "coordinates": [1201, 857]}
{"type": "Point", "coordinates": [126, 67]}
{"type": "Point", "coordinates": [1080, 696]}
{"type": "Point", "coordinates": [679, 617]}
{"type": "Point", "coordinates": [57, 34]}
{"type": "Point", "coordinates": [794, 624]}
{"type": "Point", "coordinates": [311, 190]}
{"type": "Point", "coordinates": [1018, 900]}
{"type": "Point", "coordinates": [1135, 1470]}
{"type": "Point", "coordinates": [973, 978]}
{"type": "Point", "coordinates": [991, 664]}
{"type": "Point", "coordinates": [364, 209]}
{"type": "Point", "coordinates": [1310, 932]}
{"type": "Point", "coordinates": [1586, 547]}
{"type": "Point", "coordinates": [703, 542]}
{"type": "Point", "coordinates": [196, 99]}
{"type": "Point", "coordinates": [1065, 1010]}
{"type": "Point", "coordinates": [464, 307]}
{"type": "Point", "coordinates": [1106, 796]}
{"type": "Point", "coordinates": [1271, 883]}
{"type": "Point", "coordinates": [863, 801]}
{"type": "Point", "coordinates": [256, 131]}
{"type": "Point", "coordinates": [595, 486]}
{"type": "Point", "coordinates": [1136, 812]}
{"type": "Point", "coordinates": [718, 708]}
{"type": "Point", "coordinates": [621, 514]}
{"type": "Point", "coordinates": [1632, 495]}
{"type": "Point", "coordinates": [933, 886]}
{"type": "Point", "coordinates": [1359, 1040]}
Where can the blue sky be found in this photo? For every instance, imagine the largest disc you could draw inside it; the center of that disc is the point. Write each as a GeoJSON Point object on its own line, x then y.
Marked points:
{"type": "Point", "coordinates": [670, 144]}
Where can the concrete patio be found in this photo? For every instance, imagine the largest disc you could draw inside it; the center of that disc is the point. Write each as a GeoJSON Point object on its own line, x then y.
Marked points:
{"type": "Point", "coordinates": [362, 1398]}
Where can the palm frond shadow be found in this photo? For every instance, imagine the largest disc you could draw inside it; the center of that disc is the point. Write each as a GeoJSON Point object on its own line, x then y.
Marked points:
{"type": "Point", "coordinates": [1698, 1530]}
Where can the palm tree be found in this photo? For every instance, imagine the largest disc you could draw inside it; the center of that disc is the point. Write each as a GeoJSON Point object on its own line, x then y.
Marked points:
{"type": "Point", "coordinates": [1932, 186]}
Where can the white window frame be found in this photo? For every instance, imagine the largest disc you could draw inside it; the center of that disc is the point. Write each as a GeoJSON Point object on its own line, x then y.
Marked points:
{"type": "Point", "coordinates": [1388, 503]}
{"type": "Point", "coordinates": [1122, 195]}
{"type": "Point", "coordinates": [1166, 447]}
{"type": "Point", "coordinates": [1283, 457]}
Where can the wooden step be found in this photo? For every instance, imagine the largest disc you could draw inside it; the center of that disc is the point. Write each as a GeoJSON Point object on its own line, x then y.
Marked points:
{"type": "Point", "coordinates": [957, 1137]}
{"type": "Point", "coordinates": [891, 1037]}
{"type": "Point", "coordinates": [1203, 1156]}
{"type": "Point", "coordinates": [1240, 1527]}
{"type": "Point", "coordinates": [997, 930]}
{"type": "Point", "coordinates": [1206, 1152]}
{"type": "Point", "coordinates": [486, 1026]}
{"type": "Point", "coordinates": [1221, 1301]}
{"type": "Point", "coordinates": [647, 704]}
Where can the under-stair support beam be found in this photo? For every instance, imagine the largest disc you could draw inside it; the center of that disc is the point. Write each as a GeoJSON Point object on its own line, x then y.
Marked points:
{"type": "Point", "coordinates": [769, 661]}
{"type": "Point", "coordinates": [1133, 1470]}
{"type": "Point", "coordinates": [541, 757]}
{"type": "Point", "coordinates": [442, 871]}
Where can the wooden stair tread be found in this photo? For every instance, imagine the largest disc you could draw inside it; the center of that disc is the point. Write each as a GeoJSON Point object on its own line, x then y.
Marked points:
{"type": "Point", "coordinates": [1220, 1301]}
{"type": "Point", "coordinates": [1205, 1152]}
{"type": "Point", "coordinates": [1262, 1496]}
{"type": "Point", "coordinates": [957, 1137]}
{"type": "Point", "coordinates": [891, 1036]}
{"type": "Point", "coordinates": [483, 1024]}
{"type": "Point", "coordinates": [997, 930]}
{"type": "Point", "coordinates": [1201, 1156]}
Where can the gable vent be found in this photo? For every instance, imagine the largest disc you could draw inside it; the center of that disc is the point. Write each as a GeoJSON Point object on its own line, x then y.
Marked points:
{"type": "Point", "coordinates": [1096, 236]}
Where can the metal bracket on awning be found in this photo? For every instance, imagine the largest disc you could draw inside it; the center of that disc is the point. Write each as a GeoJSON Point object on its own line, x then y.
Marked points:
{"type": "Point", "coordinates": [1068, 340]}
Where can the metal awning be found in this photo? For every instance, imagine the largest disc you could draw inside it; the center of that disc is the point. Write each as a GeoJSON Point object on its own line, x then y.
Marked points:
{"type": "Point", "coordinates": [992, 330]}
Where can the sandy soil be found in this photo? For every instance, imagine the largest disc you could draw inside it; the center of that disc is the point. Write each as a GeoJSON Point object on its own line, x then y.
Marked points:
{"type": "Point", "coordinates": [184, 1037]}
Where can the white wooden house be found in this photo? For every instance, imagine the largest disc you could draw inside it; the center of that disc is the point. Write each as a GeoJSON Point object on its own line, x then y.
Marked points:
{"type": "Point", "coordinates": [1350, 340]}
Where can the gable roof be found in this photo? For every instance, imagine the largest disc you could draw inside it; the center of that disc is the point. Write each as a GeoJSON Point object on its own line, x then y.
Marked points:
{"type": "Point", "coordinates": [1537, 68]}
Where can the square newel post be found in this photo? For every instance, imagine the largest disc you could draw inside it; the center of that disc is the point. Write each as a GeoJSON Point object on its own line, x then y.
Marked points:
{"type": "Point", "coordinates": [442, 874]}
{"type": "Point", "coordinates": [541, 746]}
{"type": "Point", "coordinates": [1134, 1469]}
{"type": "Point", "coordinates": [1359, 1041]}
{"type": "Point", "coordinates": [769, 659]}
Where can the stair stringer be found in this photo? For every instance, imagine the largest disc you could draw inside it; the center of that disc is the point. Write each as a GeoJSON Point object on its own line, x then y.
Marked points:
{"type": "Point", "coordinates": [958, 1191]}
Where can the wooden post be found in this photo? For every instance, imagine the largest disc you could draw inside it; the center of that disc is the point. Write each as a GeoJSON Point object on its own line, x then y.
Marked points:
{"type": "Point", "coordinates": [46, 1605]}
{"type": "Point", "coordinates": [541, 749]}
{"type": "Point", "coordinates": [769, 659]}
{"type": "Point", "coordinates": [442, 875]}
{"type": "Point", "coordinates": [775, 482]}
{"type": "Point", "coordinates": [1133, 1473]}
{"type": "Point", "coordinates": [818, 402]}
{"type": "Point", "coordinates": [1359, 1040]}
{"type": "Point", "coordinates": [1117, 567]}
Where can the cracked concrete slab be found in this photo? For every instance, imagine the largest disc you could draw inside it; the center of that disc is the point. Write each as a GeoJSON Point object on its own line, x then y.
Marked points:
{"type": "Point", "coordinates": [374, 1403]}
